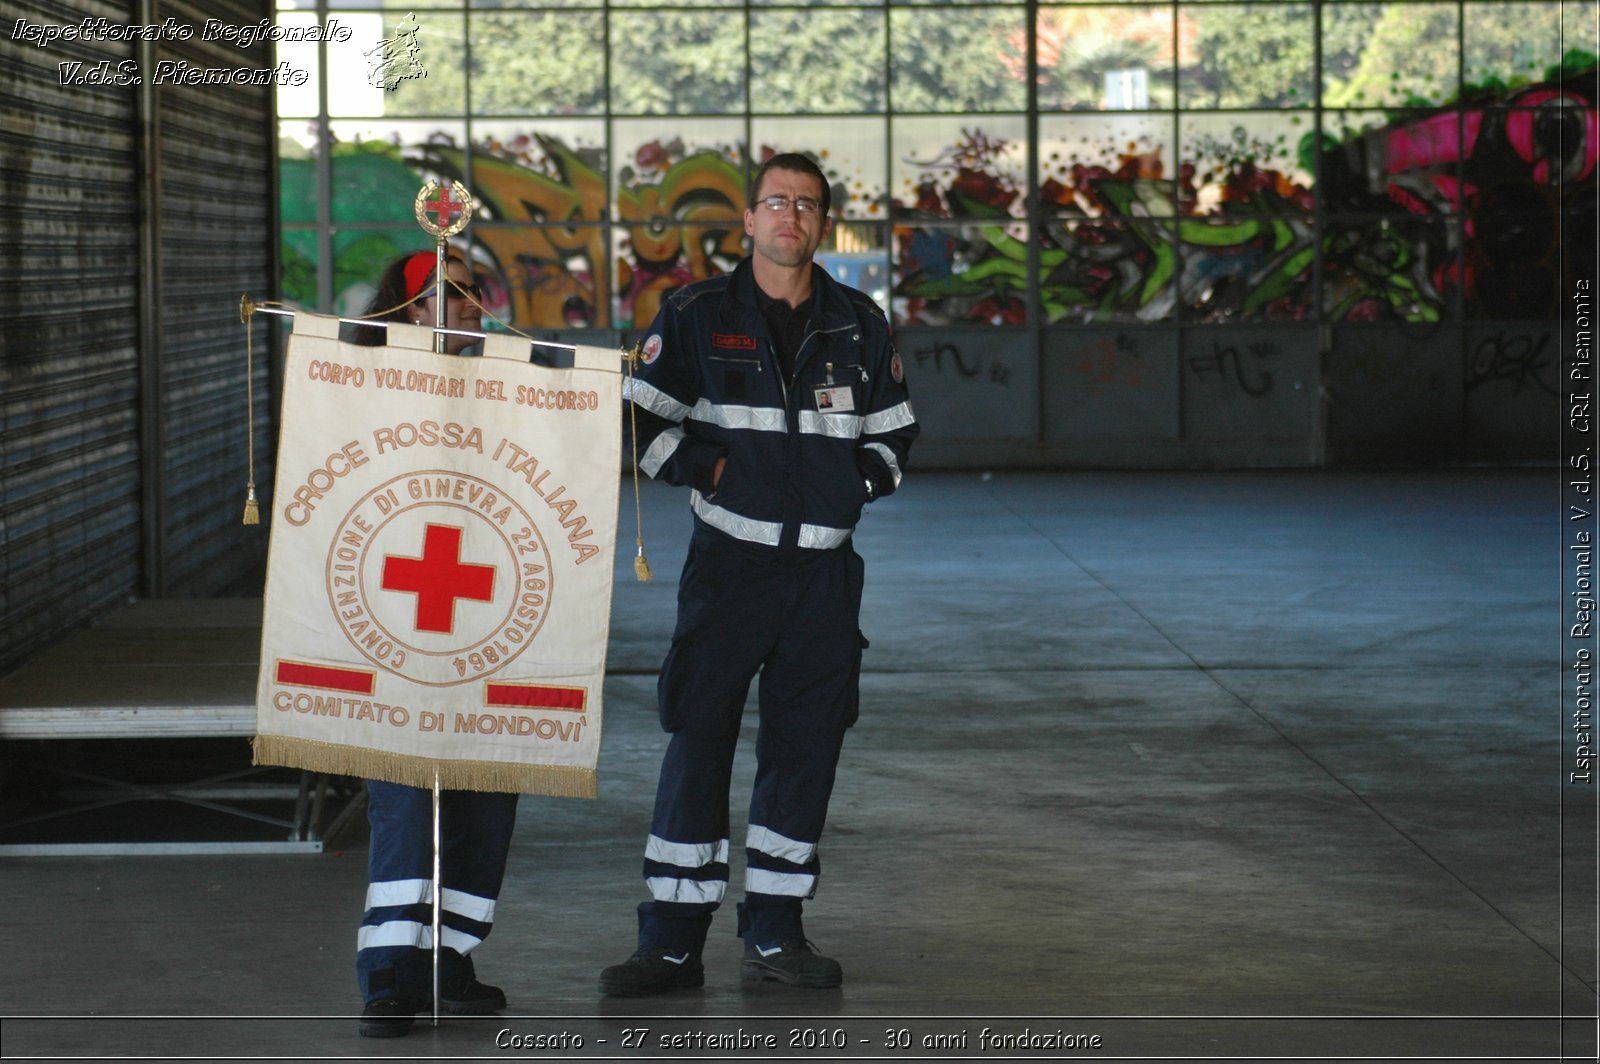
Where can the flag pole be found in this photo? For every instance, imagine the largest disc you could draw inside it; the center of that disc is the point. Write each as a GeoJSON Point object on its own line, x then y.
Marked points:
{"type": "Point", "coordinates": [440, 296]}
{"type": "Point", "coordinates": [442, 211]}
{"type": "Point", "coordinates": [438, 887]}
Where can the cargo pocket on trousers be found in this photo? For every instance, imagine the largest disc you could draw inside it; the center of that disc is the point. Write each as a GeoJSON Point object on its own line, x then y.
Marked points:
{"type": "Point", "coordinates": [852, 709]}
{"type": "Point", "coordinates": [671, 685]}
{"type": "Point", "coordinates": [697, 595]}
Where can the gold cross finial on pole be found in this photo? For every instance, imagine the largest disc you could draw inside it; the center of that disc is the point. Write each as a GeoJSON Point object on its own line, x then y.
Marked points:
{"type": "Point", "coordinates": [442, 210]}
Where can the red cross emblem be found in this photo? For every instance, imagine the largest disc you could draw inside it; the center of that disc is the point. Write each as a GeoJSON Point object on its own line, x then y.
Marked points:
{"type": "Point", "coordinates": [443, 210]}
{"type": "Point", "coordinates": [438, 578]}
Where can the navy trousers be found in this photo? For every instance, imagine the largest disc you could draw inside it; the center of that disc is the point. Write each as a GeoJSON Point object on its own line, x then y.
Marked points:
{"type": "Point", "coordinates": [797, 624]}
{"type": "Point", "coordinates": [394, 947]}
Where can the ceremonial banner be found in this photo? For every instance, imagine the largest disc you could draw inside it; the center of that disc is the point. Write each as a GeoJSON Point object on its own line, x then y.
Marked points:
{"type": "Point", "coordinates": [439, 573]}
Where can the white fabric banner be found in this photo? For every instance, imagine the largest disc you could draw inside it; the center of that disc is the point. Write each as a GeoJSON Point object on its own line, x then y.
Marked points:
{"type": "Point", "coordinates": [439, 573]}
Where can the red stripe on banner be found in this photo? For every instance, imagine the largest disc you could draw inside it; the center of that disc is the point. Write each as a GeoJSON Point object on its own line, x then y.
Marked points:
{"type": "Point", "coordinates": [534, 696]}
{"type": "Point", "coordinates": [356, 681]}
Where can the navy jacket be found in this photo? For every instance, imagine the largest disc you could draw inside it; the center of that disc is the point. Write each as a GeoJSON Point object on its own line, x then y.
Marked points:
{"type": "Point", "coordinates": [799, 451]}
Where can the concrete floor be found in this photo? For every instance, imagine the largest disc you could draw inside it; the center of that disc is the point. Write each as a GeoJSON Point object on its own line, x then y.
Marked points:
{"type": "Point", "coordinates": [1232, 766]}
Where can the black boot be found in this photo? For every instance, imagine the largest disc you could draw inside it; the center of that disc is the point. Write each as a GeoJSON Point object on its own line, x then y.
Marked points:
{"type": "Point", "coordinates": [653, 970]}
{"type": "Point", "coordinates": [388, 1018]}
{"type": "Point", "coordinates": [793, 962]}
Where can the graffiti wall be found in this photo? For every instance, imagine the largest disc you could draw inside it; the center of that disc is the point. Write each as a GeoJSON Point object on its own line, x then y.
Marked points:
{"type": "Point", "coordinates": [1170, 271]}
{"type": "Point", "coordinates": [1412, 216]}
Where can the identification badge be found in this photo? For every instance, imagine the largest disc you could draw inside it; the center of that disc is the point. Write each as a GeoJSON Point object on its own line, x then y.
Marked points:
{"type": "Point", "coordinates": [838, 400]}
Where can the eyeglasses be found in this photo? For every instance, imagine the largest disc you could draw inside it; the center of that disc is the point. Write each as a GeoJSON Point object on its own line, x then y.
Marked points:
{"type": "Point", "coordinates": [456, 291]}
{"type": "Point", "coordinates": [779, 204]}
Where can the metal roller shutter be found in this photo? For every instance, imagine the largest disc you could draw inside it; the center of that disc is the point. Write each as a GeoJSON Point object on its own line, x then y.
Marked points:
{"type": "Point", "coordinates": [122, 438]}
{"type": "Point", "coordinates": [69, 373]}
{"type": "Point", "coordinates": [216, 238]}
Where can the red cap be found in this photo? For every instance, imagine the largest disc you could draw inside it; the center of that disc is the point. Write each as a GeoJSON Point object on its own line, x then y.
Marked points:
{"type": "Point", "coordinates": [419, 268]}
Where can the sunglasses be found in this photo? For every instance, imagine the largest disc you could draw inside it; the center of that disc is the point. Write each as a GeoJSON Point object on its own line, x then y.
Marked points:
{"type": "Point", "coordinates": [455, 291]}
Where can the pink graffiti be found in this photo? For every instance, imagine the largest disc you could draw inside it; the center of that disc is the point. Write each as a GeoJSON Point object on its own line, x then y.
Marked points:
{"type": "Point", "coordinates": [1520, 131]}
{"type": "Point", "coordinates": [1431, 141]}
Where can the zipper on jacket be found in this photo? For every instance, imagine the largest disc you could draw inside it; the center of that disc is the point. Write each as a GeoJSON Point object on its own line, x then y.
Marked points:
{"type": "Point", "coordinates": [783, 385]}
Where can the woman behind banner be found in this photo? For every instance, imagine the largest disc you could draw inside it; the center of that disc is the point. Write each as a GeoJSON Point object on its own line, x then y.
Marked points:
{"type": "Point", "coordinates": [394, 963]}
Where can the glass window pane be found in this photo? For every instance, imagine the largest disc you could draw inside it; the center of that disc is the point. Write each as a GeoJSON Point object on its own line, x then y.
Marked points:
{"type": "Point", "coordinates": [961, 274]}
{"type": "Point", "coordinates": [1398, 162]}
{"type": "Point", "coordinates": [1389, 55]}
{"type": "Point", "coordinates": [378, 167]}
{"type": "Point", "coordinates": [1509, 44]}
{"type": "Point", "coordinates": [392, 5]}
{"type": "Point", "coordinates": [480, 5]}
{"type": "Point", "coordinates": [299, 100]}
{"type": "Point", "coordinates": [538, 63]}
{"type": "Point", "coordinates": [1247, 163]}
{"type": "Point", "coordinates": [1399, 269]}
{"type": "Point", "coordinates": [297, 138]}
{"type": "Point", "coordinates": [539, 278]}
{"type": "Point", "coordinates": [1105, 58]}
{"type": "Point", "coordinates": [1354, 143]}
{"type": "Point", "coordinates": [852, 152]}
{"type": "Point", "coordinates": [1249, 269]}
{"type": "Point", "coordinates": [857, 253]}
{"type": "Point", "coordinates": [1537, 145]}
{"type": "Point", "coordinates": [816, 59]}
{"type": "Point", "coordinates": [1515, 258]}
{"type": "Point", "coordinates": [359, 257]}
{"type": "Point", "coordinates": [350, 71]}
{"type": "Point", "coordinates": [1112, 165]}
{"type": "Point", "coordinates": [540, 232]}
{"type": "Point", "coordinates": [1578, 21]}
{"type": "Point", "coordinates": [958, 60]}
{"type": "Point", "coordinates": [1259, 55]}
{"type": "Point", "coordinates": [1094, 271]}
{"type": "Point", "coordinates": [298, 265]}
{"type": "Point", "coordinates": [957, 168]}
{"type": "Point", "coordinates": [680, 209]}
{"type": "Point", "coordinates": [676, 62]}
{"type": "Point", "coordinates": [398, 64]}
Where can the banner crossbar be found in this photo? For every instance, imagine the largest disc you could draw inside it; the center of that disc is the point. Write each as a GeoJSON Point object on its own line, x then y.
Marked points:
{"type": "Point", "coordinates": [284, 312]}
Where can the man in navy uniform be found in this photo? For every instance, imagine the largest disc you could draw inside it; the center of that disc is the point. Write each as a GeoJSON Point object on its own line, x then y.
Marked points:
{"type": "Point", "coordinates": [775, 395]}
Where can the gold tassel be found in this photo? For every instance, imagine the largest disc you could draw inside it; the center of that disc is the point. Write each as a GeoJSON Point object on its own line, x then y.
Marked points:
{"type": "Point", "coordinates": [641, 567]}
{"type": "Point", "coordinates": [247, 310]}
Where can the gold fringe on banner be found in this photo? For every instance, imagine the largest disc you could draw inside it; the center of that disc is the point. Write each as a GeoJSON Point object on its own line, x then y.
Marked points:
{"type": "Point", "coordinates": [336, 759]}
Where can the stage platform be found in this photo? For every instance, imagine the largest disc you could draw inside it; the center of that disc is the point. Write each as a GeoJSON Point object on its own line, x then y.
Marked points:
{"type": "Point", "coordinates": [131, 736]}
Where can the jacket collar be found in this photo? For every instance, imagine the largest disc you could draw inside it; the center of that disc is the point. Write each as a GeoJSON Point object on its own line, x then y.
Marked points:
{"type": "Point", "coordinates": [830, 307]}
